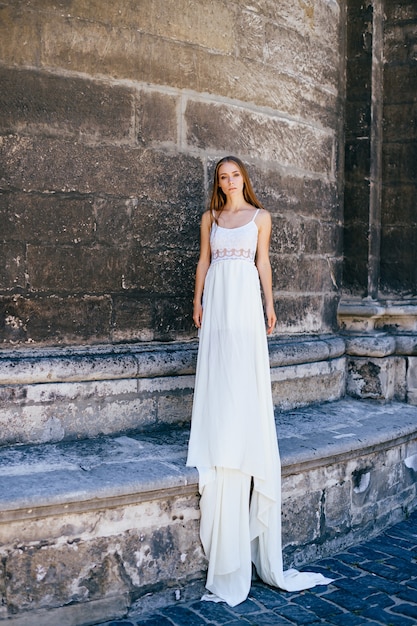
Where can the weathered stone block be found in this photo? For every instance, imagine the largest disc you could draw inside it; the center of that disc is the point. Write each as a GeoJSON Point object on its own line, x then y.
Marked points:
{"type": "Point", "coordinates": [169, 226]}
{"type": "Point", "coordinates": [36, 102]}
{"type": "Point", "coordinates": [355, 270]}
{"type": "Point", "coordinates": [162, 271]}
{"type": "Point", "coordinates": [106, 565]}
{"type": "Point", "coordinates": [400, 82]}
{"type": "Point", "coordinates": [357, 159]}
{"type": "Point", "coordinates": [399, 201]}
{"type": "Point", "coordinates": [329, 238]}
{"type": "Point", "coordinates": [173, 316]}
{"type": "Point", "coordinates": [132, 318]}
{"type": "Point", "coordinates": [251, 40]}
{"type": "Point", "coordinates": [358, 78]}
{"type": "Point", "coordinates": [400, 122]}
{"type": "Point", "coordinates": [80, 418]}
{"type": "Point", "coordinates": [401, 10]}
{"type": "Point", "coordinates": [291, 234]}
{"type": "Point", "coordinates": [232, 129]}
{"type": "Point", "coordinates": [94, 49]}
{"type": "Point", "coordinates": [302, 55]}
{"type": "Point", "coordinates": [55, 319]}
{"type": "Point", "coordinates": [82, 391]}
{"type": "Point", "coordinates": [157, 118]}
{"type": "Point", "coordinates": [12, 266]}
{"type": "Point", "coordinates": [300, 517]}
{"type": "Point", "coordinates": [329, 312]}
{"type": "Point", "coordinates": [406, 345]}
{"type": "Point", "coordinates": [299, 314]}
{"type": "Point", "coordinates": [50, 219]}
{"type": "Point", "coordinates": [380, 486]}
{"type": "Point", "coordinates": [320, 20]}
{"type": "Point", "coordinates": [372, 345]}
{"type": "Point", "coordinates": [20, 43]}
{"type": "Point", "coordinates": [399, 43]}
{"type": "Point", "coordinates": [97, 363]}
{"type": "Point", "coordinates": [412, 380]}
{"type": "Point", "coordinates": [176, 409]}
{"type": "Point", "coordinates": [61, 165]}
{"type": "Point", "coordinates": [356, 194]}
{"type": "Point", "coordinates": [65, 269]}
{"type": "Point", "coordinates": [209, 27]}
{"type": "Point", "coordinates": [398, 275]}
{"type": "Point", "coordinates": [300, 385]}
{"type": "Point", "coordinates": [376, 378]}
{"type": "Point", "coordinates": [113, 219]}
{"type": "Point", "coordinates": [296, 234]}
{"type": "Point", "coordinates": [296, 273]}
{"type": "Point", "coordinates": [337, 509]}
{"type": "Point", "coordinates": [301, 196]}
{"type": "Point", "coordinates": [306, 351]}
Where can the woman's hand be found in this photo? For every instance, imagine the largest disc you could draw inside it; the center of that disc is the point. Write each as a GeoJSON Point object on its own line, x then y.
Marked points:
{"type": "Point", "coordinates": [271, 319]}
{"type": "Point", "coordinates": [198, 315]}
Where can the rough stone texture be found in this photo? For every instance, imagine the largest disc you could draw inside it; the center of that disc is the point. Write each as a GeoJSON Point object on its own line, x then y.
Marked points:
{"type": "Point", "coordinates": [377, 345]}
{"type": "Point", "coordinates": [399, 220]}
{"type": "Point", "coordinates": [301, 385]}
{"type": "Point", "coordinates": [395, 317]}
{"type": "Point", "coordinates": [380, 250]}
{"type": "Point", "coordinates": [83, 393]}
{"type": "Point", "coordinates": [357, 145]}
{"type": "Point", "coordinates": [377, 378]}
{"type": "Point", "coordinates": [412, 380]}
{"type": "Point", "coordinates": [33, 102]}
{"type": "Point", "coordinates": [89, 527]}
{"type": "Point", "coordinates": [260, 136]}
{"type": "Point", "coordinates": [111, 120]}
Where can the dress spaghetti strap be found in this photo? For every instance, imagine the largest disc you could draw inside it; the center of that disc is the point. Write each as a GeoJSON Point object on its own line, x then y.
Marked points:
{"type": "Point", "coordinates": [254, 217]}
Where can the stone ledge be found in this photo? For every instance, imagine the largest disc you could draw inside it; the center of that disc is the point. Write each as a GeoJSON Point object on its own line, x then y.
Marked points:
{"type": "Point", "coordinates": [118, 516]}
{"type": "Point", "coordinates": [94, 363]}
{"type": "Point", "coordinates": [108, 471]}
{"type": "Point", "coordinates": [366, 315]}
{"type": "Point", "coordinates": [62, 394]}
{"type": "Point", "coordinates": [331, 433]}
{"type": "Point", "coordinates": [73, 476]}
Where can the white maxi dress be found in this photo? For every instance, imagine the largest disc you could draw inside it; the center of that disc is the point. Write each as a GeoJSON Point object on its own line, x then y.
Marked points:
{"type": "Point", "coordinates": [233, 440]}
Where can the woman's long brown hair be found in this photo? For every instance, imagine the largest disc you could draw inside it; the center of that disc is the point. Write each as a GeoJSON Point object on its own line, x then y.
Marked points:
{"type": "Point", "coordinates": [218, 198]}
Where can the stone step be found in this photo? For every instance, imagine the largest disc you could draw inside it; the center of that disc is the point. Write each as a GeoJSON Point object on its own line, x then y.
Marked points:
{"type": "Point", "coordinates": [88, 527]}
{"type": "Point", "coordinates": [57, 394]}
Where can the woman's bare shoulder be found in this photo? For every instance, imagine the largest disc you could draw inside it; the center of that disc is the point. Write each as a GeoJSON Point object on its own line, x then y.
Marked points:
{"type": "Point", "coordinates": [206, 220]}
{"type": "Point", "coordinates": [263, 217]}
{"type": "Point", "coordinates": [207, 217]}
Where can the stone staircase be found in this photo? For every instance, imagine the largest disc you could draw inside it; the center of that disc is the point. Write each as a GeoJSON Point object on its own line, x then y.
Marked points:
{"type": "Point", "coordinates": [97, 508]}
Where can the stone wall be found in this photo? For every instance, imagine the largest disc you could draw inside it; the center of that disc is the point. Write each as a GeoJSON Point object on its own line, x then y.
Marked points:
{"type": "Point", "coordinates": [111, 117]}
{"type": "Point", "coordinates": [378, 311]}
{"type": "Point", "coordinates": [399, 192]}
{"type": "Point", "coordinates": [381, 149]}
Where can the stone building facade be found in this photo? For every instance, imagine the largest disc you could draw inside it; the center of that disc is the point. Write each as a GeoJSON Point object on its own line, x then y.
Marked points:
{"type": "Point", "coordinates": [112, 115]}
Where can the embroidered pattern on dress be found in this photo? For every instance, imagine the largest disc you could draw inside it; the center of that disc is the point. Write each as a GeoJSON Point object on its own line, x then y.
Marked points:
{"type": "Point", "coordinates": [232, 253]}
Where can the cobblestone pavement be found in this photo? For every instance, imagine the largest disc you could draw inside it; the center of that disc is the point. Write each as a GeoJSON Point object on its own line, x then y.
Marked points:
{"type": "Point", "coordinates": [374, 583]}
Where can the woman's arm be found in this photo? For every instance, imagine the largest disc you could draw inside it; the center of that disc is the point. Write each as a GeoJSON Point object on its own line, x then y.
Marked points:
{"type": "Point", "coordinates": [202, 268]}
{"type": "Point", "coordinates": [263, 265]}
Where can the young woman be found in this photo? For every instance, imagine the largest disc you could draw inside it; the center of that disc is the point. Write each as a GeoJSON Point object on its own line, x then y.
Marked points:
{"type": "Point", "coordinates": [233, 440]}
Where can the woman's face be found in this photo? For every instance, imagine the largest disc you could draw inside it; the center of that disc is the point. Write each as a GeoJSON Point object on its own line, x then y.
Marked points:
{"type": "Point", "coordinates": [230, 178]}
